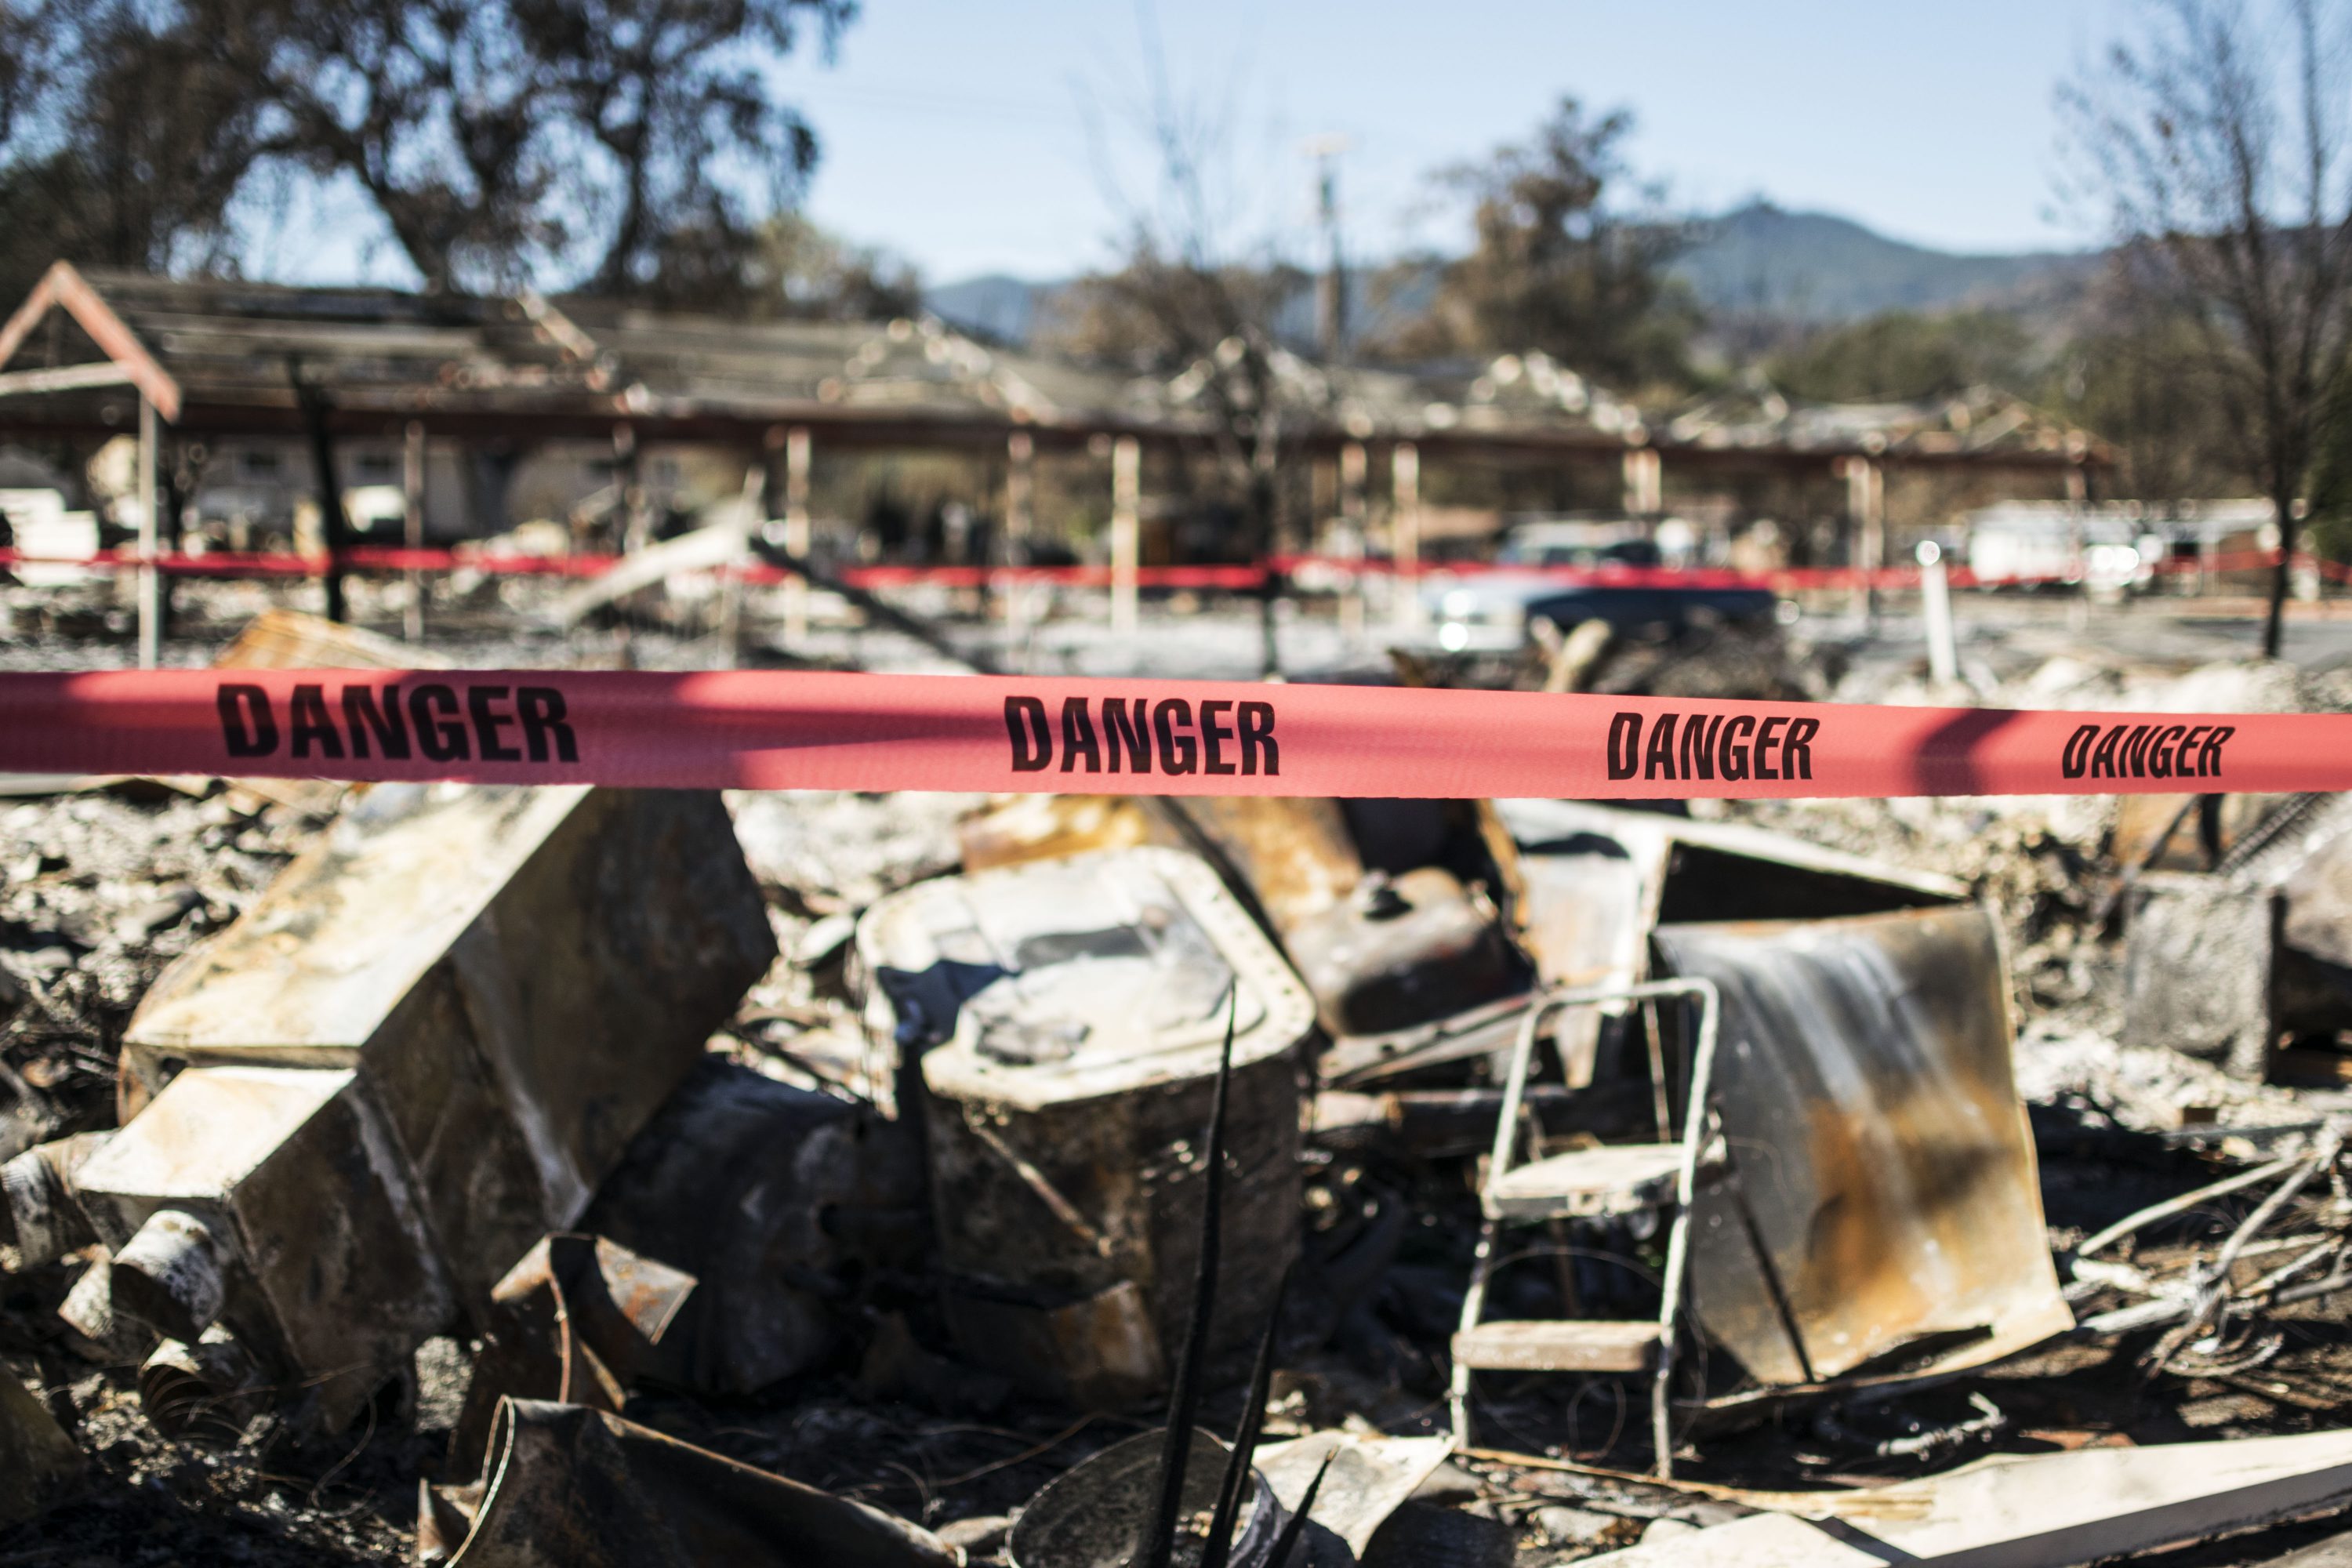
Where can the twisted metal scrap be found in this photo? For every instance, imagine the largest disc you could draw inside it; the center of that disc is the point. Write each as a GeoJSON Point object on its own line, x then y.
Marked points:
{"type": "Point", "coordinates": [2208, 1284]}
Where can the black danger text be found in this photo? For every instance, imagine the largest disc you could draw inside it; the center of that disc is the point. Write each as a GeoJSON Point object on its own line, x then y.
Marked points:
{"type": "Point", "coordinates": [2145, 750]}
{"type": "Point", "coordinates": [436, 720]}
{"type": "Point", "coordinates": [1138, 735]}
{"type": "Point", "coordinates": [1735, 746]}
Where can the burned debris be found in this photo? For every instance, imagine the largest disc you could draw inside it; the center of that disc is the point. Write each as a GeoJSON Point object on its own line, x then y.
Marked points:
{"type": "Point", "coordinates": [497, 1176]}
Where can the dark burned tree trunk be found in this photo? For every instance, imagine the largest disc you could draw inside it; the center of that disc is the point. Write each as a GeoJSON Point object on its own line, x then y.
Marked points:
{"type": "Point", "coordinates": [2218, 137]}
{"type": "Point", "coordinates": [315, 409]}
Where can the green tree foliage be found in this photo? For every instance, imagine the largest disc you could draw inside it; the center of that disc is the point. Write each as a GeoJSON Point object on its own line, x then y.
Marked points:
{"type": "Point", "coordinates": [783, 268]}
{"type": "Point", "coordinates": [499, 136]}
{"type": "Point", "coordinates": [637, 146]}
{"type": "Point", "coordinates": [1903, 355]}
{"type": "Point", "coordinates": [1568, 255]}
{"type": "Point", "coordinates": [124, 141]}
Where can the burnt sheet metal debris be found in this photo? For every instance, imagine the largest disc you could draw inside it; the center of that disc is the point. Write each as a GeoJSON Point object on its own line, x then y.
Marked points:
{"type": "Point", "coordinates": [575, 1322]}
{"type": "Point", "coordinates": [569, 1487]}
{"type": "Point", "coordinates": [39, 1464]}
{"type": "Point", "coordinates": [520, 977]}
{"type": "Point", "coordinates": [1366, 1482]}
{"type": "Point", "coordinates": [765, 1195]}
{"type": "Point", "coordinates": [418, 1052]}
{"type": "Point", "coordinates": [1598, 878]}
{"type": "Point", "coordinates": [1878, 1186]}
{"type": "Point", "coordinates": [1065, 1018]}
{"type": "Point", "coordinates": [2046, 1511]}
{"type": "Point", "coordinates": [1393, 911]}
{"type": "Point", "coordinates": [273, 1201]}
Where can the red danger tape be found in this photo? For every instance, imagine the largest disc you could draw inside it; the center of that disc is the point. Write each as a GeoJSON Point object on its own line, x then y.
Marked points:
{"type": "Point", "coordinates": [1237, 578]}
{"type": "Point", "coordinates": [792, 731]}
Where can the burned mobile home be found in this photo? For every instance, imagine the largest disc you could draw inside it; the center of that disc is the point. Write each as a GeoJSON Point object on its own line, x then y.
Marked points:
{"type": "Point", "coordinates": [225, 417]}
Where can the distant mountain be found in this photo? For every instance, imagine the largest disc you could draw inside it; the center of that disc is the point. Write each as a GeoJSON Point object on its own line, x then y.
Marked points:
{"type": "Point", "coordinates": [1813, 267]}
{"type": "Point", "coordinates": [1758, 261]}
{"type": "Point", "coordinates": [993, 306]}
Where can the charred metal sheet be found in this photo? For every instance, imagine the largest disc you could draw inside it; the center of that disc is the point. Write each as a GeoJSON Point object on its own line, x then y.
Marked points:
{"type": "Point", "coordinates": [1727, 870]}
{"type": "Point", "coordinates": [522, 976]}
{"type": "Point", "coordinates": [1066, 1018]}
{"type": "Point", "coordinates": [1597, 879]}
{"type": "Point", "coordinates": [768, 1260]}
{"type": "Point", "coordinates": [1368, 1479]}
{"type": "Point", "coordinates": [567, 1487]}
{"type": "Point", "coordinates": [1880, 1188]}
{"type": "Point", "coordinates": [2040, 1510]}
{"type": "Point", "coordinates": [1099, 1512]}
{"type": "Point", "coordinates": [1409, 963]}
{"type": "Point", "coordinates": [275, 1200]}
{"type": "Point", "coordinates": [574, 1321]}
{"type": "Point", "coordinates": [38, 1463]}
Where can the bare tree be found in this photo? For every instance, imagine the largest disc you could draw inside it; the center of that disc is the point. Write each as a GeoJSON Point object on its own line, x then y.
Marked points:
{"type": "Point", "coordinates": [785, 266]}
{"type": "Point", "coordinates": [2218, 142]}
{"type": "Point", "coordinates": [1194, 305]}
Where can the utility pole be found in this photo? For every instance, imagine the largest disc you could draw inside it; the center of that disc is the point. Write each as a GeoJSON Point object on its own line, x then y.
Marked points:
{"type": "Point", "coordinates": [1331, 290]}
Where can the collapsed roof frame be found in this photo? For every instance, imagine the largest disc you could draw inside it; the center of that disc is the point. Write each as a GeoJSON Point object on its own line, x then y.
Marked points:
{"type": "Point", "coordinates": [519, 369]}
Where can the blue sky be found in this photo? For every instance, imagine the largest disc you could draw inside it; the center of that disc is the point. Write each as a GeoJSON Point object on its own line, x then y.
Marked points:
{"type": "Point", "coordinates": [958, 133]}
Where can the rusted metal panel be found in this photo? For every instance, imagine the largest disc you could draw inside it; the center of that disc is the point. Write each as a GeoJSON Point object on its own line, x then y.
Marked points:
{"type": "Point", "coordinates": [1879, 1187]}
{"type": "Point", "coordinates": [1065, 1019]}
{"type": "Point", "coordinates": [521, 976]}
{"type": "Point", "coordinates": [1598, 878]}
{"type": "Point", "coordinates": [573, 1322]}
{"type": "Point", "coordinates": [573, 1487]}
